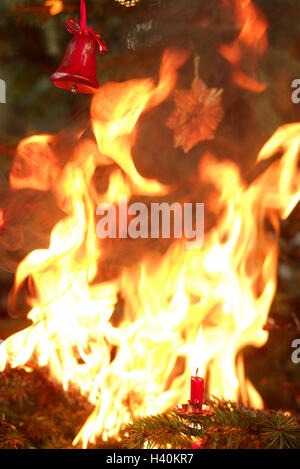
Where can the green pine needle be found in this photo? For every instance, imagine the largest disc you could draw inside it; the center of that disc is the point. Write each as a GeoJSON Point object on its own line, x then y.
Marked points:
{"type": "Point", "coordinates": [229, 426]}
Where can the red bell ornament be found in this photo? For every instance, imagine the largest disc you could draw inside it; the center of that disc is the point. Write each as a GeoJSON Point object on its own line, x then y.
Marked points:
{"type": "Point", "coordinates": [77, 72]}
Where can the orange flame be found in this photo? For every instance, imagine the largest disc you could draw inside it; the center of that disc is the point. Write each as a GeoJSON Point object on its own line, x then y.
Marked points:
{"type": "Point", "coordinates": [181, 310]}
{"type": "Point", "coordinates": [252, 38]}
{"type": "Point", "coordinates": [55, 6]}
{"type": "Point", "coordinates": [2, 219]}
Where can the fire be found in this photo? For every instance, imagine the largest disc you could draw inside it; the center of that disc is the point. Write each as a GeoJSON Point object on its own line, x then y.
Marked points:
{"type": "Point", "coordinates": [55, 6]}
{"type": "Point", "coordinates": [251, 39]}
{"type": "Point", "coordinates": [2, 219]}
{"type": "Point", "coordinates": [181, 310]}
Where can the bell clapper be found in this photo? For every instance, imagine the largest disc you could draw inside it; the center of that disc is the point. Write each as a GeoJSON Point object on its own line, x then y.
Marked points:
{"type": "Point", "coordinates": [74, 89]}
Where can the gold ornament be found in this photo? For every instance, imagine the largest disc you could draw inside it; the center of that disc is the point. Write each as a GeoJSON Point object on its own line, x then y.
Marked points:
{"type": "Point", "coordinates": [127, 3]}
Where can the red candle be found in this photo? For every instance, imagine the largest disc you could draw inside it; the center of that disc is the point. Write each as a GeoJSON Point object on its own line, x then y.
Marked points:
{"type": "Point", "coordinates": [197, 390]}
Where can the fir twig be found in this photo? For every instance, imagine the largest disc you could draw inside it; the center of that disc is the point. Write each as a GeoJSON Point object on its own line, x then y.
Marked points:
{"type": "Point", "coordinates": [229, 426]}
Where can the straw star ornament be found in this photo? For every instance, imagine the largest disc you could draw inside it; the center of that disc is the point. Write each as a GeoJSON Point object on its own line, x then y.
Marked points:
{"type": "Point", "coordinates": [198, 111]}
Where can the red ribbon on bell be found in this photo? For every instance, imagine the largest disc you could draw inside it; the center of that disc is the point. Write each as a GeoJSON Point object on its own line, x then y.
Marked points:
{"type": "Point", "coordinates": [77, 72]}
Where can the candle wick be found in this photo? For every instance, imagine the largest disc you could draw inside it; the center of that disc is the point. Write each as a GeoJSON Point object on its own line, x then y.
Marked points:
{"type": "Point", "coordinates": [196, 371]}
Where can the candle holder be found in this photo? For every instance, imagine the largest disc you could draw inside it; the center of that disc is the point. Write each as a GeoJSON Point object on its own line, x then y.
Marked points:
{"type": "Point", "coordinates": [193, 408]}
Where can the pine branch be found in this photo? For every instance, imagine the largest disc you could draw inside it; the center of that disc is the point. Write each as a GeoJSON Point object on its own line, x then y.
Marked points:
{"type": "Point", "coordinates": [159, 431]}
{"type": "Point", "coordinates": [281, 432]}
{"type": "Point", "coordinates": [229, 426]}
{"type": "Point", "coordinates": [10, 438]}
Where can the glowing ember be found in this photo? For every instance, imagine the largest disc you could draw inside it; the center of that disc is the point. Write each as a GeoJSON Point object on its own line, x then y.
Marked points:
{"type": "Point", "coordinates": [181, 310]}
